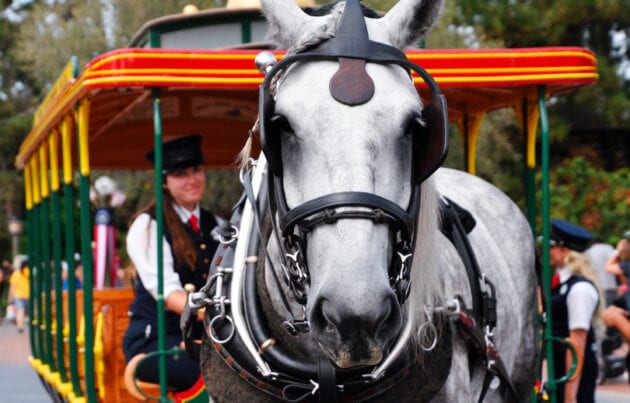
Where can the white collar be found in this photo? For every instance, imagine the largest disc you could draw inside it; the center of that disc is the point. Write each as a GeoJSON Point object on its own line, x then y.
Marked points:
{"type": "Point", "coordinates": [564, 273]}
{"type": "Point", "coordinates": [184, 214]}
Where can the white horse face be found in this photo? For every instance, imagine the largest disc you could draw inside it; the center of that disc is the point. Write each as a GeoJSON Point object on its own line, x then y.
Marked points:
{"type": "Point", "coordinates": [330, 147]}
{"type": "Point", "coordinates": [333, 148]}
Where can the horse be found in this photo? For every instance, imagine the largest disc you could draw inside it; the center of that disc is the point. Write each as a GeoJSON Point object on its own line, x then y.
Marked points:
{"type": "Point", "coordinates": [355, 228]}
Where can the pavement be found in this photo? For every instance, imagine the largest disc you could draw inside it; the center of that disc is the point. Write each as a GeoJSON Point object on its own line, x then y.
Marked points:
{"type": "Point", "coordinates": [19, 383]}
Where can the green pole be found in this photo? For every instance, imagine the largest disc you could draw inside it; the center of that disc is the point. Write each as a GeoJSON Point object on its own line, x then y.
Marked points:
{"type": "Point", "coordinates": [545, 212]}
{"type": "Point", "coordinates": [32, 283]}
{"type": "Point", "coordinates": [47, 274]}
{"type": "Point", "coordinates": [68, 203]}
{"type": "Point", "coordinates": [159, 217]}
{"type": "Point", "coordinates": [38, 282]}
{"type": "Point", "coordinates": [530, 174]}
{"type": "Point", "coordinates": [86, 257]}
{"type": "Point", "coordinates": [56, 239]}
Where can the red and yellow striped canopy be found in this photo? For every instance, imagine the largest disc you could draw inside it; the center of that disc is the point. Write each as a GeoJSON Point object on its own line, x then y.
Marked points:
{"type": "Point", "coordinates": [215, 93]}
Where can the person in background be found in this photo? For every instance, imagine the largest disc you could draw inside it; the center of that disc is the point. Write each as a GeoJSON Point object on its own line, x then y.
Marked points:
{"type": "Point", "coordinates": [576, 304]}
{"type": "Point", "coordinates": [188, 247]}
{"type": "Point", "coordinates": [19, 291]}
{"type": "Point", "coordinates": [5, 273]}
{"type": "Point", "coordinates": [599, 253]}
{"type": "Point", "coordinates": [617, 315]}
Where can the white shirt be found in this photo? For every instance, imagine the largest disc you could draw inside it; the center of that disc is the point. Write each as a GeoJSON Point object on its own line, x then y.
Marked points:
{"type": "Point", "coordinates": [581, 301]}
{"type": "Point", "coordinates": [142, 249]}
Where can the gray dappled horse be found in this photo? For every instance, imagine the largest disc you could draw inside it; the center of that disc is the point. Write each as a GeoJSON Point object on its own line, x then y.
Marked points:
{"type": "Point", "coordinates": [356, 197]}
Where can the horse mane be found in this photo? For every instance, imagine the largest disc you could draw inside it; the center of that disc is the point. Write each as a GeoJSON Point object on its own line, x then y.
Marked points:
{"type": "Point", "coordinates": [425, 283]}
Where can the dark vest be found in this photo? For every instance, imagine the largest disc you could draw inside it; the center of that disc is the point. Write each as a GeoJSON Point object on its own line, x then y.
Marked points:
{"type": "Point", "coordinates": [144, 306]}
{"type": "Point", "coordinates": [560, 328]}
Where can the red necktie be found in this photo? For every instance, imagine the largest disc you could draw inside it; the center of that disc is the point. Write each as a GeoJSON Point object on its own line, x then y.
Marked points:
{"type": "Point", "coordinates": [555, 281]}
{"type": "Point", "coordinates": [194, 223]}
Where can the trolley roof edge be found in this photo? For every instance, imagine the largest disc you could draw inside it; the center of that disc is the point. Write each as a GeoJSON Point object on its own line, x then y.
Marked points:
{"type": "Point", "coordinates": [215, 92]}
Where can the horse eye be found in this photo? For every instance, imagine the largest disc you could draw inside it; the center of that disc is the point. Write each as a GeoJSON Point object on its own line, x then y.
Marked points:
{"type": "Point", "coordinates": [415, 125]}
{"type": "Point", "coordinates": [280, 124]}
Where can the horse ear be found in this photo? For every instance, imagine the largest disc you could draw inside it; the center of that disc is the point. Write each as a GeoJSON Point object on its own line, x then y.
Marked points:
{"type": "Point", "coordinates": [410, 20]}
{"type": "Point", "coordinates": [288, 23]}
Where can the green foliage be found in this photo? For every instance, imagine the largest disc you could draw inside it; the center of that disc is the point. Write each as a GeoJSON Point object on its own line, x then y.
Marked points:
{"type": "Point", "coordinates": [591, 197]}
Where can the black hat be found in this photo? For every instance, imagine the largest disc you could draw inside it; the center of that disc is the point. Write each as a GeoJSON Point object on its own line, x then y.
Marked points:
{"type": "Point", "coordinates": [179, 153]}
{"type": "Point", "coordinates": [569, 235]}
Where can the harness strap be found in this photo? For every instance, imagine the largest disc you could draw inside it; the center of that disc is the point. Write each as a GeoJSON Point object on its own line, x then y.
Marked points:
{"type": "Point", "coordinates": [327, 381]}
{"type": "Point", "coordinates": [453, 219]}
{"type": "Point", "coordinates": [456, 224]}
{"type": "Point", "coordinates": [474, 337]}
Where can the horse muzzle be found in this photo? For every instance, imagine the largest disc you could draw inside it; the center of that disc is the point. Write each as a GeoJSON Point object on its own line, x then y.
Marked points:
{"type": "Point", "coordinates": [353, 336]}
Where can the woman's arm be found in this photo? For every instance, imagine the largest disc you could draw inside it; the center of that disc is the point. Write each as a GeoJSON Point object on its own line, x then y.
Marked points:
{"type": "Point", "coordinates": [578, 338]}
{"type": "Point", "coordinates": [613, 266]}
{"type": "Point", "coordinates": [142, 249]}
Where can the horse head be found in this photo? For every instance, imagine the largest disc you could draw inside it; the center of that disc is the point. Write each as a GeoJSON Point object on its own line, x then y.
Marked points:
{"type": "Point", "coordinates": [349, 156]}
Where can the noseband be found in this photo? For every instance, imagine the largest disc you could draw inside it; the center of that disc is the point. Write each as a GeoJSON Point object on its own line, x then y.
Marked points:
{"type": "Point", "coordinates": [351, 85]}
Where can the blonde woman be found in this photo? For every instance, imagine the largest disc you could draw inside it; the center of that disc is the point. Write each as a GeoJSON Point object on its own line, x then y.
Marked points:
{"type": "Point", "coordinates": [576, 305]}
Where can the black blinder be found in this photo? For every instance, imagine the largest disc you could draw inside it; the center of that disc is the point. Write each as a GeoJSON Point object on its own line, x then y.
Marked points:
{"type": "Point", "coordinates": [270, 126]}
{"type": "Point", "coordinates": [430, 140]}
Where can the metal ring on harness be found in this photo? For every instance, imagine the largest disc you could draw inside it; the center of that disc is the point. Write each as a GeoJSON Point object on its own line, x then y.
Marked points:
{"type": "Point", "coordinates": [427, 331]}
{"type": "Point", "coordinates": [212, 334]}
{"type": "Point", "coordinates": [233, 237]}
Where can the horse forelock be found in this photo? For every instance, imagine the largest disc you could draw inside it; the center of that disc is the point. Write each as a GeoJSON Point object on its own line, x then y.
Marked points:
{"type": "Point", "coordinates": [316, 34]}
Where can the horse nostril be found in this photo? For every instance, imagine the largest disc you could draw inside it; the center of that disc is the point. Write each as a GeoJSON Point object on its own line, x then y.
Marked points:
{"type": "Point", "coordinates": [385, 319]}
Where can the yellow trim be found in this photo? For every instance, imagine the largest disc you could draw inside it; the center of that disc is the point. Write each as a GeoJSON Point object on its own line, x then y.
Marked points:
{"type": "Point", "coordinates": [35, 177]}
{"type": "Point", "coordinates": [205, 72]}
{"type": "Point", "coordinates": [99, 351]}
{"type": "Point", "coordinates": [506, 55]}
{"type": "Point", "coordinates": [515, 78]}
{"type": "Point", "coordinates": [413, 56]}
{"type": "Point", "coordinates": [135, 55]}
{"type": "Point", "coordinates": [53, 147]}
{"type": "Point", "coordinates": [474, 123]}
{"type": "Point", "coordinates": [210, 72]}
{"type": "Point", "coordinates": [533, 114]}
{"type": "Point", "coordinates": [64, 79]}
{"type": "Point", "coordinates": [66, 147]}
{"type": "Point", "coordinates": [28, 190]}
{"type": "Point", "coordinates": [84, 156]}
{"type": "Point", "coordinates": [43, 169]}
{"type": "Point", "coordinates": [187, 80]}
{"type": "Point", "coordinates": [495, 70]}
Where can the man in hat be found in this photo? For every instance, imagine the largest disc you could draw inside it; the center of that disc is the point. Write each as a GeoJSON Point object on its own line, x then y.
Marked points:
{"type": "Point", "coordinates": [188, 247]}
{"type": "Point", "coordinates": [574, 302]}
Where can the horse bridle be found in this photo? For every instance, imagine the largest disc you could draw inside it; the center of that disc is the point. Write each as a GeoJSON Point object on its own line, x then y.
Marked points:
{"type": "Point", "coordinates": [352, 48]}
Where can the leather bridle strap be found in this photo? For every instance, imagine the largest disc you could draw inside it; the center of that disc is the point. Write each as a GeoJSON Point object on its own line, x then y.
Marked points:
{"type": "Point", "coordinates": [322, 210]}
